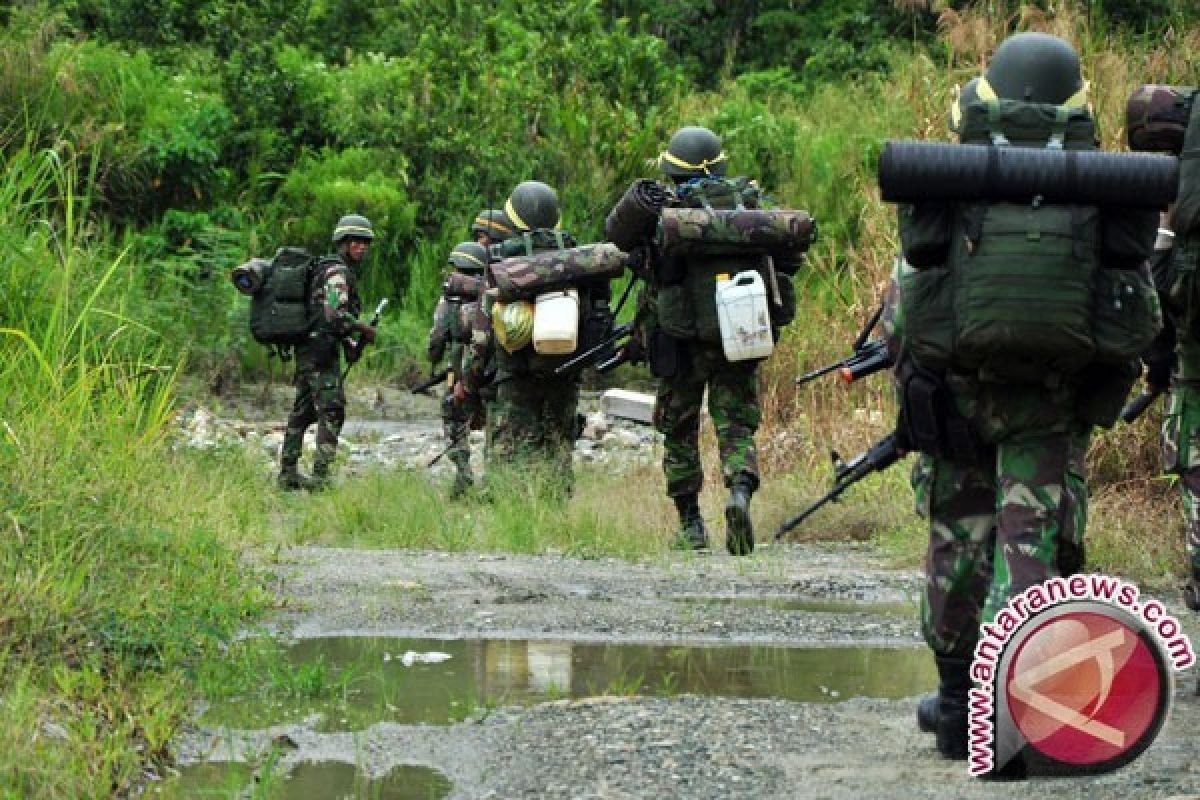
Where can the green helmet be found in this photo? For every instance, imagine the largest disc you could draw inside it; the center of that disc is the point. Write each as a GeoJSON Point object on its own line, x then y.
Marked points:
{"type": "Point", "coordinates": [353, 226]}
{"type": "Point", "coordinates": [1035, 68]}
{"type": "Point", "coordinates": [532, 205]}
{"type": "Point", "coordinates": [493, 223]}
{"type": "Point", "coordinates": [469, 257]}
{"type": "Point", "coordinates": [693, 152]}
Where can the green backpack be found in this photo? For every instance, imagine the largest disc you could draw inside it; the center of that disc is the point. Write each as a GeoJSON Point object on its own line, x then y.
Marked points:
{"type": "Point", "coordinates": [687, 284]}
{"type": "Point", "coordinates": [1022, 294]}
{"type": "Point", "coordinates": [1182, 285]}
{"type": "Point", "coordinates": [280, 316]}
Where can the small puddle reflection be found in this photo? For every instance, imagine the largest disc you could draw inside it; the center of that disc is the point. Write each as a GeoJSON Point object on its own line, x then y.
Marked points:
{"type": "Point", "coordinates": [478, 673]}
{"type": "Point", "coordinates": [897, 608]}
{"type": "Point", "coordinates": [311, 781]}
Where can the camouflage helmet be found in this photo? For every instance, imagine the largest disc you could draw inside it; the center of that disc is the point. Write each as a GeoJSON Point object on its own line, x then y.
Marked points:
{"type": "Point", "coordinates": [693, 152]}
{"type": "Point", "coordinates": [963, 96]}
{"type": "Point", "coordinates": [1035, 68]}
{"type": "Point", "coordinates": [532, 205]}
{"type": "Point", "coordinates": [494, 223]}
{"type": "Point", "coordinates": [353, 226]}
{"type": "Point", "coordinates": [469, 257]}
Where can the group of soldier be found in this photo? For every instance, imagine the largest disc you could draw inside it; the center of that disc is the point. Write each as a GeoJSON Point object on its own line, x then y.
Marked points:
{"type": "Point", "coordinates": [1003, 483]}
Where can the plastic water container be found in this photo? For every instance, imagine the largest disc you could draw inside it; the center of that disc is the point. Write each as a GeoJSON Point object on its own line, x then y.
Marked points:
{"type": "Point", "coordinates": [556, 322]}
{"type": "Point", "coordinates": [744, 317]}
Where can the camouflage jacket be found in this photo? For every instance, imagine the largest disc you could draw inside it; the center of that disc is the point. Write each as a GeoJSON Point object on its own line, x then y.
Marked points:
{"type": "Point", "coordinates": [335, 292]}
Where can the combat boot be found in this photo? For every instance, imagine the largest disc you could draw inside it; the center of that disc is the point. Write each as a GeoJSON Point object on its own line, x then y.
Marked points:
{"type": "Point", "coordinates": [691, 535]}
{"type": "Point", "coordinates": [739, 531]}
{"type": "Point", "coordinates": [290, 479]}
{"type": "Point", "coordinates": [927, 713]}
{"type": "Point", "coordinates": [950, 726]}
{"type": "Point", "coordinates": [1191, 594]}
{"type": "Point", "coordinates": [321, 479]}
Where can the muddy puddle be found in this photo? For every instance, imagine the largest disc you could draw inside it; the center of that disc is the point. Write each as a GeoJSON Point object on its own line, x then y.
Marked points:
{"type": "Point", "coordinates": [408, 681]}
{"type": "Point", "coordinates": [309, 781]}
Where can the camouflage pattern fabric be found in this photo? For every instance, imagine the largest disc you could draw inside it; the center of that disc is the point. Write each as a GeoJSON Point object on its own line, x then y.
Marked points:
{"type": "Point", "coordinates": [743, 231]}
{"type": "Point", "coordinates": [533, 417]}
{"type": "Point", "coordinates": [446, 348]}
{"type": "Point", "coordinates": [523, 277]}
{"type": "Point", "coordinates": [1181, 445]}
{"type": "Point", "coordinates": [733, 407]}
{"type": "Point", "coordinates": [996, 528]}
{"type": "Point", "coordinates": [320, 396]}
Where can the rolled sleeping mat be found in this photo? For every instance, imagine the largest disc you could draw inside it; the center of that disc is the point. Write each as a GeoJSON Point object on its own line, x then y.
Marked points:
{"type": "Point", "coordinates": [633, 219]}
{"type": "Point", "coordinates": [524, 277]}
{"type": "Point", "coordinates": [912, 172]}
{"type": "Point", "coordinates": [249, 278]}
{"type": "Point", "coordinates": [462, 287]}
{"type": "Point", "coordinates": [741, 231]}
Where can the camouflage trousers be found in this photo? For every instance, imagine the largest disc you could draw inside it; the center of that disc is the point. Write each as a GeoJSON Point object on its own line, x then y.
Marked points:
{"type": "Point", "coordinates": [533, 417]}
{"type": "Point", "coordinates": [1181, 456]}
{"type": "Point", "coordinates": [456, 425]}
{"type": "Point", "coordinates": [733, 406]}
{"type": "Point", "coordinates": [995, 529]}
{"type": "Point", "coordinates": [320, 398]}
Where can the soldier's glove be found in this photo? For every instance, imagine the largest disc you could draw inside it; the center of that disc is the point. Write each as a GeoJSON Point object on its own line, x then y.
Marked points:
{"type": "Point", "coordinates": [639, 262]}
{"type": "Point", "coordinates": [635, 351]}
{"type": "Point", "coordinates": [460, 393]}
{"type": "Point", "coordinates": [367, 332]}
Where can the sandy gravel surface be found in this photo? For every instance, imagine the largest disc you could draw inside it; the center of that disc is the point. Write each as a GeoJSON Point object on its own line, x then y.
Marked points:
{"type": "Point", "coordinates": [684, 746]}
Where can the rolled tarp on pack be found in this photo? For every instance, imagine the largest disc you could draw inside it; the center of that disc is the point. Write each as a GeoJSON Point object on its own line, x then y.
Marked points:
{"type": "Point", "coordinates": [634, 218]}
{"type": "Point", "coordinates": [911, 172]}
{"type": "Point", "coordinates": [462, 287]}
{"type": "Point", "coordinates": [249, 278]}
{"type": "Point", "coordinates": [743, 231]}
{"type": "Point", "coordinates": [523, 277]}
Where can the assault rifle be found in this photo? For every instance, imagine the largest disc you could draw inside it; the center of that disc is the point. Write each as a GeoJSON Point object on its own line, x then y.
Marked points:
{"type": "Point", "coordinates": [1138, 405]}
{"type": "Point", "coordinates": [877, 458]}
{"type": "Point", "coordinates": [607, 355]}
{"type": "Point", "coordinates": [357, 343]}
{"type": "Point", "coordinates": [433, 380]}
{"type": "Point", "coordinates": [868, 358]}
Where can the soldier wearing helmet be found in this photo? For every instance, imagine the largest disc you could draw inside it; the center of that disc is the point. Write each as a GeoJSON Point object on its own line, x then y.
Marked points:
{"type": "Point", "coordinates": [447, 339]}
{"type": "Point", "coordinates": [689, 364]}
{"type": "Point", "coordinates": [320, 396]}
{"type": "Point", "coordinates": [1013, 515]}
{"type": "Point", "coordinates": [492, 226]}
{"type": "Point", "coordinates": [531, 411]}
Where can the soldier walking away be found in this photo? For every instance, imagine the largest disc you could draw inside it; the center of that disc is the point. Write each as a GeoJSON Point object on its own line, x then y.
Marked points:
{"type": "Point", "coordinates": [320, 396]}
{"type": "Point", "coordinates": [447, 339]}
{"type": "Point", "coordinates": [1173, 359]}
{"type": "Point", "coordinates": [1003, 412]}
{"type": "Point", "coordinates": [677, 329]}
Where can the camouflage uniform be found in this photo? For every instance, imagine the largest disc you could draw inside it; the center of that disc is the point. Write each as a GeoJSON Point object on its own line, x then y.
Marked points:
{"type": "Point", "coordinates": [320, 396]}
{"type": "Point", "coordinates": [1176, 352]}
{"type": "Point", "coordinates": [446, 347]}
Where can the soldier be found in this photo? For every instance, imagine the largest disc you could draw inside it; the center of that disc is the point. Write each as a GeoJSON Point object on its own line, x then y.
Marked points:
{"type": "Point", "coordinates": [688, 361]}
{"type": "Point", "coordinates": [533, 412]}
{"type": "Point", "coordinates": [320, 396]}
{"type": "Point", "coordinates": [492, 226]}
{"type": "Point", "coordinates": [446, 341]}
{"type": "Point", "coordinates": [1173, 359]}
{"type": "Point", "coordinates": [1005, 494]}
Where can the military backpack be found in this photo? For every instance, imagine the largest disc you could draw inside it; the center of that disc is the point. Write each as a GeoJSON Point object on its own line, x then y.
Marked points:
{"type": "Point", "coordinates": [1017, 292]}
{"type": "Point", "coordinates": [280, 312]}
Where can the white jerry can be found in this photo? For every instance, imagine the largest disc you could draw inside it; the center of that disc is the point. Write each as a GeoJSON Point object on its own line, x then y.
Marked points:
{"type": "Point", "coordinates": [556, 322]}
{"type": "Point", "coordinates": [744, 317]}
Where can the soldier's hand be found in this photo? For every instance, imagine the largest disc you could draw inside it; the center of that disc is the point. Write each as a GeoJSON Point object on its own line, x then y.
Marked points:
{"type": "Point", "coordinates": [634, 352]}
{"type": "Point", "coordinates": [367, 332]}
{"type": "Point", "coordinates": [460, 393]}
{"type": "Point", "coordinates": [351, 350]}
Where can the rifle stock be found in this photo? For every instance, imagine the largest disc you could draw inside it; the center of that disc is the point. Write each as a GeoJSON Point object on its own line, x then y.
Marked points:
{"type": "Point", "coordinates": [604, 354]}
{"type": "Point", "coordinates": [1138, 405]}
{"type": "Point", "coordinates": [433, 380]}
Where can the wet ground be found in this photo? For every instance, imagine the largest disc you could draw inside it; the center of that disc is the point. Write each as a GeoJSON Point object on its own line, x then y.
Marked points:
{"type": "Point", "coordinates": [792, 673]}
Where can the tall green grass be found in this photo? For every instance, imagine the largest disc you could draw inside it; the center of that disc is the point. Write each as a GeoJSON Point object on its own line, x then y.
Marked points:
{"type": "Point", "coordinates": [115, 547]}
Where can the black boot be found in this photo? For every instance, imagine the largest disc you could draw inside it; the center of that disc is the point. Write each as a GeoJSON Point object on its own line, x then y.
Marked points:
{"type": "Point", "coordinates": [739, 531]}
{"type": "Point", "coordinates": [1191, 594]}
{"type": "Point", "coordinates": [950, 726]}
{"type": "Point", "coordinates": [290, 478]}
{"type": "Point", "coordinates": [692, 535]}
{"type": "Point", "coordinates": [927, 713]}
